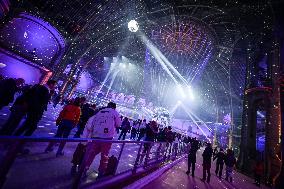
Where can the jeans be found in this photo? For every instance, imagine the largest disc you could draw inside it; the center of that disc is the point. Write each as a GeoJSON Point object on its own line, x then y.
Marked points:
{"type": "Point", "coordinates": [63, 131]}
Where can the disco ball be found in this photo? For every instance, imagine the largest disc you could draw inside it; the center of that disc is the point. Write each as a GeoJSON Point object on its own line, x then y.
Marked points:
{"type": "Point", "coordinates": [133, 26]}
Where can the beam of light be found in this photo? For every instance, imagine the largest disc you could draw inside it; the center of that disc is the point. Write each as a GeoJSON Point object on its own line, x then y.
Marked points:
{"type": "Point", "coordinates": [167, 62]}
{"type": "Point", "coordinates": [202, 67]}
{"type": "Point", "coordinates": [190, 93]}
{"type": "Point", "coordinates": [181, 91]}
{"type": "Point", "coordinates": [175, 107]}
{"type": "Point", "coordinates": [155, 52]}
{"type": "Point", "coordinates": [196, 117]}
{"type": "Point", "coordinates": [112, 81]}
{"type": "Point", "coordinates": [105, 80]}
{"type": "Point", "coordinates": [189, 114]}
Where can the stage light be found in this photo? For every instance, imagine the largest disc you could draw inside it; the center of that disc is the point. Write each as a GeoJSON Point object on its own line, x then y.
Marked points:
{"type": "Point", "coordinates": [133, 26]}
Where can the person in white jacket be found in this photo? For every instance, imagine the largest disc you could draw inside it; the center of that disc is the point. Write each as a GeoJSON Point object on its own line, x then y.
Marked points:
{"type": "Point", "coordinates": [100, 126]}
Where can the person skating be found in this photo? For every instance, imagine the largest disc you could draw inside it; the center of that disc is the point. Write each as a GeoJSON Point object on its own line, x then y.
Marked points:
{"type": "Point", "coordinates": [134, 129]}
{"type": "Point", "coordinates": [125, 127]}
{"type": "Point", "coordinates": [66, 121]}
{"type": "Point", "coordinates": [220, 156]}
{"type": "Point", "coordinates": [151, 131]}
{"type": "Point", "coordinates": [142, 130]}
{"type": "Point", "coordinates": [192, 156]}
{"type": "Point", "coordinates": [87, 112]}
{"type": "Point", "coordinates": [100, 126]}
{"type": "Point", "coordinates": [207, 155]}
{"type": "Point", "coordinates": [230, 162]}
{"type": "Point", "coordinates": [37, 100]}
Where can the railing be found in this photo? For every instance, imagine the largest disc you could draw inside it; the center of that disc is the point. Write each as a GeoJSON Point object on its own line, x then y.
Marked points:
{"type": "Point", "coordinates": [21, 167]}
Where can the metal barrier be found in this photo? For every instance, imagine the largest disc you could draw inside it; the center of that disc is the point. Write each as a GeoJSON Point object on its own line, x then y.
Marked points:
{"type": "Point", "coordinates": [158, 153]}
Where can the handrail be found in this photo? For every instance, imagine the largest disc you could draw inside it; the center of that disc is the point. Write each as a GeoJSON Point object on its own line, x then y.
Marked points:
{"type": "Point", "coordinates": [165, 151]}
{"type": "Point", "coordinates": [54, 139]}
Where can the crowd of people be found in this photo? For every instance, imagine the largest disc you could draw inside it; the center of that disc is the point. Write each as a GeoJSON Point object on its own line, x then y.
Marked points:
{"type": "Point", "coordinates": [221, 157]}
{"type": "Point", "coordinates": [90, 121]}
{"type": "Point", "coordinates": [100, 123]}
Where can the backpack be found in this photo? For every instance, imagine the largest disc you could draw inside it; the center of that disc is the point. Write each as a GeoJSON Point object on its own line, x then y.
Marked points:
{"type": "Point", "coordinates": [103, 123]}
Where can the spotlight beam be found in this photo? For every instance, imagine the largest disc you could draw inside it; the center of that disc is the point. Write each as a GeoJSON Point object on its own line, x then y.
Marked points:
{"type": "Point", "coordinates": [105, 80]}
{"type": "Point", "coordinates": [174, 108]}
{"type": "Point", "coordinates": [155, 52]}
{"type": "Point", "coordinates": [112, 81]}
{"type": "Point", "coordinates": [185, 109]}
{"type": "Point", "coordinates": [199, 119]}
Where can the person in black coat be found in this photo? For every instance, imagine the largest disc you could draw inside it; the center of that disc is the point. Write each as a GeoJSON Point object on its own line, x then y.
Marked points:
{"type": "Point", "coordinates": [87, 112]}
{"type": "Point", "coordinates": [207, 155]}
{"type": "Point", "coordinates": [220, 156]}
{"type": "Point", "coordinates": [125, 127]}
{"type": "Point", "coordinates": [37, 100]}
{"type": "Point", "coordinates": [8, 88]}
{"type": "Point", "coordinates": [151, 132]}
{"type": "Point", "coordinates": [18, 111]}
{"type": "Point", "coordinates": [192, 156]}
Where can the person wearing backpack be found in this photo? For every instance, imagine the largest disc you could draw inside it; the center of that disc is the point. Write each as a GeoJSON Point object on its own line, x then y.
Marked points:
{"type": "Point", "coordinates": [100, 126]}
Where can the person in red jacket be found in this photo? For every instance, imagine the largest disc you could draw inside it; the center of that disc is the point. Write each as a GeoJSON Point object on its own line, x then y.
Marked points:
{"type": "Point", "coordinates": [66, 121]}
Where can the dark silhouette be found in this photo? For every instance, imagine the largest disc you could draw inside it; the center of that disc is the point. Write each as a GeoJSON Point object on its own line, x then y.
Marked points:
{"type": "Point", "coordinates": [192, 156]}
{"type": "Point", "coordinates": [87, 112]}
{"type": "Point", "coordinates": [37, 99]}
{"type": "Point", "coordinates": [220, 156]}
{"type": "Point", "coordinates": [207, 155]}
{"type": "Point", "coordinates": [8, 88]}
{"type": "Point", "coordinates": [125, 127]}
